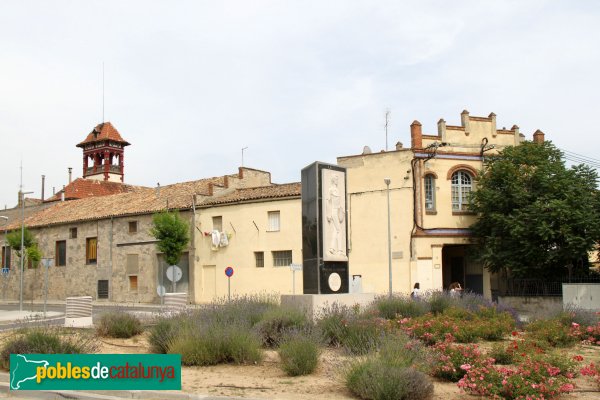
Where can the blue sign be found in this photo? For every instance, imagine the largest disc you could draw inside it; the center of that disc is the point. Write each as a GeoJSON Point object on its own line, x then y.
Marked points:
{"type": "Point", "coordinates": [229, 272]}
{"type": "Point", "coordinates": [5, 271]}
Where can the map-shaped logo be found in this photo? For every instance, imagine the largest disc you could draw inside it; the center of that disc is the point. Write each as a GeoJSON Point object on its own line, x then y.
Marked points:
{"type": "Point", "coordinates": [23, 370]}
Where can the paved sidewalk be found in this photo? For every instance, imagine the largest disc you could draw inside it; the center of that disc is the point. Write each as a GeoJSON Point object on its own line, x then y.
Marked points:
{"type": "Point", "coordinates": [27, 316]}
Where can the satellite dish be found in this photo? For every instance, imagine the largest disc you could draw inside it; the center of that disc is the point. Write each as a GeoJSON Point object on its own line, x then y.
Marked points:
{"type": "Point", "coordinates": [367, 150]}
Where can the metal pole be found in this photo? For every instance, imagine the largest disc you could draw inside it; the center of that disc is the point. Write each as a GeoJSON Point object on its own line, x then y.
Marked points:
{"type": "Point", "coordinates": [293, 281]}
{"type": "Point", "coordinates": [387, 182]}
{"type": "Point", "coordinates": [22, 250]}
{"type": "Point", "coordinates": [229, 288]}
{"type": "Point", "coordinates": [22, 245]}
{"type": "Point", "coordinates": [47, 265]}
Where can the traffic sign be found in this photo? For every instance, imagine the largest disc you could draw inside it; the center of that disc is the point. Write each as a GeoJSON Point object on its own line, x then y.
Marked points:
{"type": "Point", "coordinates": [296, 267]}
{"type": "Point", "coordinates": [5, 271]}
{"type": "Point", "coordinates": [229, 272]}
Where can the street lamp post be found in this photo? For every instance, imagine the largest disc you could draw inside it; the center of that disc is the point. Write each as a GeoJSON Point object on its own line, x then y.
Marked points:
{"type": "Point", "coordinates": [22, 249]}
{"type": "Point", "coordinates": [387, 183]}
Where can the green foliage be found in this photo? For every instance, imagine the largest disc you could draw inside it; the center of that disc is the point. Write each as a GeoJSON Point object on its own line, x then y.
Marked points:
{"type": "Point", "coordinates": [118, 324]}
{"type": "Point", "coordinates": [162, 334]}
{"type": "Point", "coordinates": [400, 307]}
{"type": "Point", "coordinates": [217, 344]}
{"type": "Point", "coordinates": [299, 355]}
{"type": "Point", "coordinates": [377, 380]}
{"type": "Point", "coordinates": [14, 239]}
{"type": "Point", "coordinates": [172, 234]}
{"type": "Point", "coordinates": [535, 215]}
{"type": "Point", "coordinates": [277, 321]}
{"type": "Point", "coordinates": [34, 254]}
{"type": "Point", "coordinates": [553, 332]}
{"type": "Point", "coordinates": [331, 323]}
{"type": "Point", "coordinates": [45, 341]}
{"type": "Point", "coordinates": [32, 251]}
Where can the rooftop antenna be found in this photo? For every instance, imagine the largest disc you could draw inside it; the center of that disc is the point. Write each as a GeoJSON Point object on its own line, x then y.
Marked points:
{"type": "Point", "coordinates": [243, 148]}
{"type": "Point", "coordinates": [387, 123]}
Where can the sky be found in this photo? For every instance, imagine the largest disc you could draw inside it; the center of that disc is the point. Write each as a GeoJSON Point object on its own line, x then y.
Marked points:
{"type": "Point", "coordinates": [191, 83]}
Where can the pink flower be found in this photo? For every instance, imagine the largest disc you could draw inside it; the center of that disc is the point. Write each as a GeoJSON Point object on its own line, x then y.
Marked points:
{"type": "Point", "coordinates": [465, 367]}
{"type": "Point", "coordinates": [574, 324]}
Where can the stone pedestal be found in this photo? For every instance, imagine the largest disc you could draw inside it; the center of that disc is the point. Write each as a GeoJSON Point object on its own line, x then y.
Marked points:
{"type": "Point", "coordinates": [313, 304]}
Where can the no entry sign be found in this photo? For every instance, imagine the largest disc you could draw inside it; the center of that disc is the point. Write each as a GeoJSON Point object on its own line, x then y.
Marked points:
{"type": "Point", "coordinates": [229, 272]}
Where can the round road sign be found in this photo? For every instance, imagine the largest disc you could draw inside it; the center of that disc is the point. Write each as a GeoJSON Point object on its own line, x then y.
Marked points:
{"type": "Point", "coordinates": [229, 272]}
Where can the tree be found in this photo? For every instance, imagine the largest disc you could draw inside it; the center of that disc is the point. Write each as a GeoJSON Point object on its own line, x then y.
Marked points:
{"type": "Point", "coordinates": [537, 218]}
{"type": "Point", "coordinates": [172, 234]}
{"type": "Point", "coordinates": [14, 241]}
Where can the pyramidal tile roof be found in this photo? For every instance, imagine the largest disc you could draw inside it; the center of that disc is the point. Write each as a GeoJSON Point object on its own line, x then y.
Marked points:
{"type": "Point", "coordinates": [103, 131]}
{"type": "Point", "coordinates": [81, 188]}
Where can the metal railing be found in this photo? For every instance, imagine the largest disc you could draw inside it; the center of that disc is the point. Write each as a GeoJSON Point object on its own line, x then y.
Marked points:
{"type": "Point", "coordinates": [540, 287]}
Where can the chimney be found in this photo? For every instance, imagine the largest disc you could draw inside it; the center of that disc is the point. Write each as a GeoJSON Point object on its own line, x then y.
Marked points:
{"type": "Point", "coordinates": [157, 190]}
{"type": "Point", "coordinates": [20, 199]}
{"type": "Point", "coordinates": [465, 121]}
{"type": "Point", "coordinates": [493, 128]}
{"type": "Point", "coordinates": [43, 185]}
{"type": "Point", "coordinates": [70, 171]}
{"type": "Point", "coordinates": [442, 129]}
{"type": "Point", "coordinates": [398, 145]}
{"type": "Point", "coordinates": [416, 135]}
{"type": "Point", "coordinates": [62, 194]}
{"type": "Point", "coordinates": [538, 137]}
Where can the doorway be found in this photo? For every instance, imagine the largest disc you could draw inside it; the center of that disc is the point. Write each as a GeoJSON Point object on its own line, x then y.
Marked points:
{"type": "Point", "coordinates": [457, 266]}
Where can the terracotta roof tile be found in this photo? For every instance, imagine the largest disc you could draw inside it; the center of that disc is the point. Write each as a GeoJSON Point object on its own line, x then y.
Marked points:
{"type": "Point", "coordinates": [264, 192]}
{"type": "Point", "coordinates": [103, 131]}
{"type": "Point", "coordinates": [82, 188]}
{"type": "Point", "coordinates": [141, 200]}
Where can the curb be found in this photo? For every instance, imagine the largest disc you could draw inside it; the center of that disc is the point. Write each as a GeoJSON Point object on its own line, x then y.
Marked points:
{"type": "Point", "coordinates": [115, 395]}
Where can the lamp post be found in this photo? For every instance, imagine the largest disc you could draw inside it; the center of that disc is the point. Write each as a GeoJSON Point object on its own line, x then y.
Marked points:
{"type": "Point", "coordinates": [5, 247]}
{"type": "Point", "coordinates": [387, 183]}
{"type": "Point", "coordinates": [22, 249]}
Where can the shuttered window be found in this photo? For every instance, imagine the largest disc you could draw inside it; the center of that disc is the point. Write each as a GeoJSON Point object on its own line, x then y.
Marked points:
{"type": "Point", "coordinates": [91, 250]}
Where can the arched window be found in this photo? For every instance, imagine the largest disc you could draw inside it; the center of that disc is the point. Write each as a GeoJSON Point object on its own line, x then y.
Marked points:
{"type": "Point", "coordinates": [429, 192]}
{"type": "Point", "coordinates": [462, 184]}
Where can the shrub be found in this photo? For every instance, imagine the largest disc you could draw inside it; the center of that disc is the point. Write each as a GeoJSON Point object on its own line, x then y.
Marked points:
{"type": "Point", "coordinates": [46, 341]}
{"type": "Point", "coordinates": [331, 323]}
{"type": "Point", "coordinates": [275, 322]}
{"type": "Point", "coordinates": [361, 335]}
{"type": "Point", "coordinates": [216, 345]}
{"type": "Point", "coordinates": [299, 355]}
{"type": "Point", "coordinates": [373, 379]}
{"type": "Point", "coordinates": [162, 334]}
{"type": "Point", "coordinates": [501, 354]}
{"type": "Point", "coordinates": [452, 359]}
{"type": "Point", "coordinates": [551, 331]}
{"type": "Point", "coordinates": [439, 302]}
{"type": "Point", "coordinates": [400, 307]}
{"type": "Point", "coordinates": [118, 324]}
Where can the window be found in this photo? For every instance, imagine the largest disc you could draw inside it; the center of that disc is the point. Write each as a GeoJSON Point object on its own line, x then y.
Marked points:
{"type": "Point", "coordinates": [282, 258]}
{"type": "Point", "coordinates": [132, 226]}
{"type": "Point", "coordinates": [72, 233]}
{"type": "Point", "coordinates": [461, 189]}
{"type": "Point", "coordinates": [133, 264]}
{"type": "Point", "coordinates": [273, 221]}
{"type": "Point", "coordinates": [133, 283]}
{"type": "Point", "coordinates": [60, 254]}
{"type": "Point", "coordinates": [218, 224]}
{"type": "Point", "coordinates": [259, 256]}
{"type": "Point", "coordinates": [103, 289]}
{"type": "Point", "coordinates": [91, 250]}
{"type": "Point", "coordinates": [429, 192]}
{"type": "Point", "coordinates": [5, 257]}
